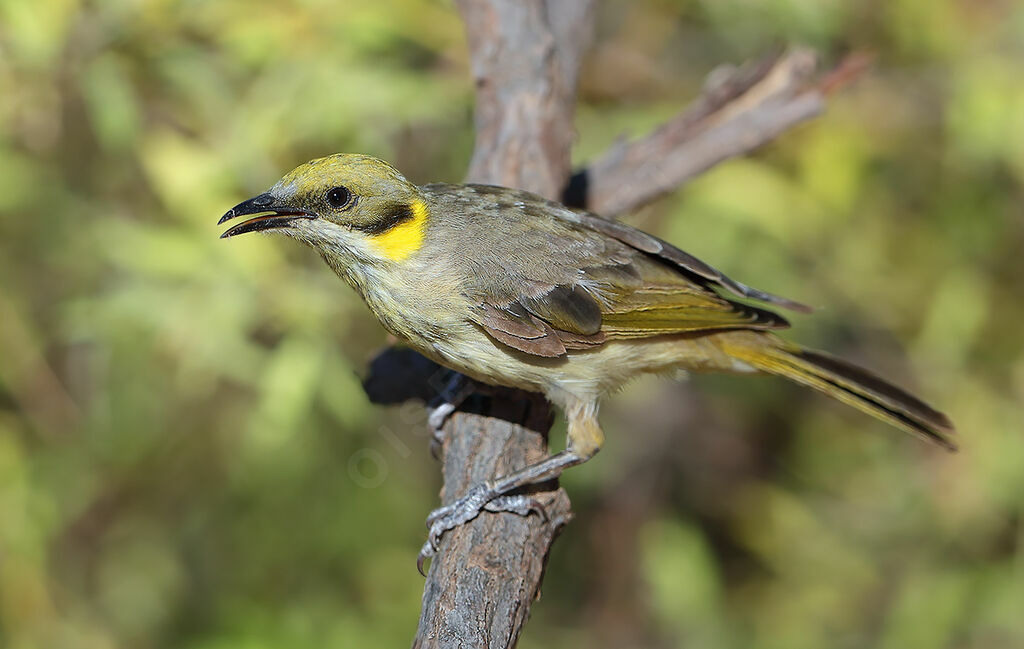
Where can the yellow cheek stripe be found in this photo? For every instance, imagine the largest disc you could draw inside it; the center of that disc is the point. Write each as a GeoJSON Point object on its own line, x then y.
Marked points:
{"type": "Point", "coordinates": [405, 238]}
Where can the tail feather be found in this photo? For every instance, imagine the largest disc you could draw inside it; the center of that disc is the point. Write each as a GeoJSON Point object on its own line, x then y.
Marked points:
{"type": "Point", "coordinates": [847, 383]}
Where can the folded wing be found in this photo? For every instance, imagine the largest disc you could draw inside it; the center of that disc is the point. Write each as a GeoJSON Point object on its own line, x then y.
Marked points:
{"type": "Point", "coordinates": [557, 280]}
{"type": "Point", "coordinates": [628, 294]}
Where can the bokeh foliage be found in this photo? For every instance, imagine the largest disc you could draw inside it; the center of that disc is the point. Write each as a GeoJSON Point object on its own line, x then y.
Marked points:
{"type": "Point", "coordinates": [187, 458]}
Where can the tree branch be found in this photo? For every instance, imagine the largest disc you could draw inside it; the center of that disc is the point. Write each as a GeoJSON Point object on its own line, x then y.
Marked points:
{"type": "Point", "coordinates": [480, 587]}
{"type": "Point", "coordinates": [526, 56]}
{"type": "Point", "coordinates": [739, 110]}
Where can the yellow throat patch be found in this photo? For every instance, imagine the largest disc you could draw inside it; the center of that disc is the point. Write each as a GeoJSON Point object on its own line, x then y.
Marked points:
{"type": "Point", "coordinates": [405, 238]}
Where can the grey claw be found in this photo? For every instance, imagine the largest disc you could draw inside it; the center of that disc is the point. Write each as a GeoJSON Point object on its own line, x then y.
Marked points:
{"type": "Point", "coordinates": [449, 398]}
{"type": "Point", "coordinates": [438, 415]}
{"type": "Point", "coordinates": [426, 552]}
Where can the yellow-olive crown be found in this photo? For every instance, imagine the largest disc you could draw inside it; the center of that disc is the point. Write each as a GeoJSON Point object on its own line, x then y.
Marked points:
{"type": "Point", "coordinates": [357, 191]}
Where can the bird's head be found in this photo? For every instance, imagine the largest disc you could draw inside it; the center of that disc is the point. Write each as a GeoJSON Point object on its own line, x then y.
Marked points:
{"type": "Point", "coordinates": [348, 205]}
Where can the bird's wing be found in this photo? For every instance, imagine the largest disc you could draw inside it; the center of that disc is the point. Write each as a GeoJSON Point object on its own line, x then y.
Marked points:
{"type": "Point", "coordinates": [606, 302]}
{"type": "Point", "coordinates": [555, 280]}
{"type": "Point", "coordinates": [652, 245]}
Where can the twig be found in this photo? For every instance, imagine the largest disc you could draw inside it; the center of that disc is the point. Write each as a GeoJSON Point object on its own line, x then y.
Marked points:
{"type": "Point", "coordinates": [740, 110]}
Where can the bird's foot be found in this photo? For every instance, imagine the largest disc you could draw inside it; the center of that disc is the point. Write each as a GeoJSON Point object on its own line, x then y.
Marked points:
{"type": "Point", "coordinates": [455, 392]}
{"type": "Point", "coordinates": [481, 497]}
{"type": "Point", "coordinates": [436, 417]}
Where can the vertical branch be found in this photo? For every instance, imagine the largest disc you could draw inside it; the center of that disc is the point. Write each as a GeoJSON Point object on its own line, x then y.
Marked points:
{"type": "Point", "coordinates": [526, 56]}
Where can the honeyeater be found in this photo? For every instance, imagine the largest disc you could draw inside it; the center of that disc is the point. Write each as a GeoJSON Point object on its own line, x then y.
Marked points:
{"type": "Point", "coordinates": [512, 289]}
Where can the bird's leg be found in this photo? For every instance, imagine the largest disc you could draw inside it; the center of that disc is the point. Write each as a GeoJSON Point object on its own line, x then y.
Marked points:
{"type": "Point", "coordinates": [584, 441]}
{"type": "Point", "coordinates": [456, 390]}
{"type": "Point", "coordinates": [494, 496]}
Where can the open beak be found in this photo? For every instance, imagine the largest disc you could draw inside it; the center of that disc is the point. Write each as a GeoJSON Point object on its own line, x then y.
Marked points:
{"type": "Point", "coordinates": [266, 214]}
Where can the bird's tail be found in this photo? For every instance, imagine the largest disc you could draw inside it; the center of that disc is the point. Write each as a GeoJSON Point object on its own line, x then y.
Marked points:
{"type": "Point", "coordinates": [840, 380]}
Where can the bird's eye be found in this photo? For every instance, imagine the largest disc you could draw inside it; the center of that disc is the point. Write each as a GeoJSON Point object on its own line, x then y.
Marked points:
{"type": "Point", "coordinates": [339, 197]}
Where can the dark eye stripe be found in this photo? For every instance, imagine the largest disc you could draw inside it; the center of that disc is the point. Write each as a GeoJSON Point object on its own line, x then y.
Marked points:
{"type": "Point", "coordinates": [397, 215]}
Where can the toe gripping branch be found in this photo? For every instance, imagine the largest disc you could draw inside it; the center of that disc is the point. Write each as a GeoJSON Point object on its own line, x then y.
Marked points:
{"type": "Point", "coordinates": [398, 375]}
{"type": "Point", "coordinates": [495, 496]}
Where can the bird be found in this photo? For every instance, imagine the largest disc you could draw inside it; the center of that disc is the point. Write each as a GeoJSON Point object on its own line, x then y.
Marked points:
{"type": "Point", "coordinates": [512, 289]}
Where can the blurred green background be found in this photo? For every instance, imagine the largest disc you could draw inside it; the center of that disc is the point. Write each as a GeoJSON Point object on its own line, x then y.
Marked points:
{"type": "Point", "coordinates": [187, 458]}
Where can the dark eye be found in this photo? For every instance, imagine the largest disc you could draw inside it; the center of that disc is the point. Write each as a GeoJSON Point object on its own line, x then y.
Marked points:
{"type": "Point", "coordinates": [339, 197]}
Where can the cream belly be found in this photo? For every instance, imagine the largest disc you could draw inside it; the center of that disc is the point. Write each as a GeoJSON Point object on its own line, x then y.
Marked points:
{"type": "Point", "coordinates": [585, 374]}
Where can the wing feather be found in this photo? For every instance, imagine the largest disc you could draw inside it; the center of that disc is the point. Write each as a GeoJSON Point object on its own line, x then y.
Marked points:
{"type": "Point", "coordinates": [517, 328]}
{"type": "Point", "coordinates": [684, 260]}
{"type": "Point", "coordinates": [556, 280]}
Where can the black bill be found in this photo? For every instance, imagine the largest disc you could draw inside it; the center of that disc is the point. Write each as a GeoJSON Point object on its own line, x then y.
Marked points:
{"type": "Point", "coordinates": [266, 214]}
